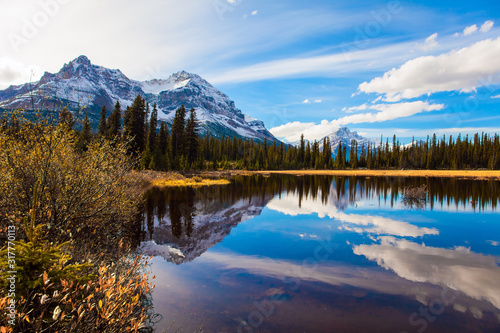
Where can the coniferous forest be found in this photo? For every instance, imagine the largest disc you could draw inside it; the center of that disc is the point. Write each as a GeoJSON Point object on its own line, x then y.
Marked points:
{"type": "Point", "coordinates": [182, 147]}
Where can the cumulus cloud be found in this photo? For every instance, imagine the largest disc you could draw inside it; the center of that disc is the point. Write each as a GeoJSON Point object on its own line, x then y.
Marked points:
{"type": "Point", "coordinates": [291, 132]}
{"type": "Point", "coordinates": [430, 43]}
{"type": "Point", "coordinates": [306, 101]}
{"type": "Point", "coordinates": [255, 12]}
{"type": "Point", "coordinates": [473, 274]}
{"type": "Point", "coordinates": [318, 101]}
{"type": "Point", "coordinates": [487, 26]}
{"type": "Point", "coordinates": [290, 129]}
{"type": "Point", "coordinates": [463, 70]}
{"type": "Point", "coordinates": [470, 30]}
{"type": "Point", "coordinates": [358, 223]}
{"type": "Point", "coordinates": [496, 96]}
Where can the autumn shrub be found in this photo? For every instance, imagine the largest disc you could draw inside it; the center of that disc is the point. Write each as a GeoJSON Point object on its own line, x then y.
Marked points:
{"type": "Point", "coordinates": [75, 215]}
{"type": "Point", "coordinates": [117, 300]}
{"type": "Point", "coordinates": [83, 196]}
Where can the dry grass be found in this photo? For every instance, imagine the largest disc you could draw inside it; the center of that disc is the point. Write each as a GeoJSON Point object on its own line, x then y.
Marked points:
{"type": "Point", "coordinates": [473, 174]}
{"type": "Point", "coordinates": [173, 179]}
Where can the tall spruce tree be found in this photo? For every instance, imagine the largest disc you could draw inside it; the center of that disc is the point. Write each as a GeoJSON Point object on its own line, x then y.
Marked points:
{"type": "Point", "coordinates": [163, 147]}
{"type": "Point", "coordinates": [134, 126]}
{"type": "Point", "coordinates": [85, 136]}
{"type": "Point", "coordinates": [177, 141]}
{"type": "Point", "coordinates": [113, 123]}
{"type": "Point", "coordinates": [302, 150]}
{"type": "Point", "coordinates": [150, 156]}
{"type": "Point", "coordinates": [101, 129]}
{"type": "Point", "coordinates": [192, 138]}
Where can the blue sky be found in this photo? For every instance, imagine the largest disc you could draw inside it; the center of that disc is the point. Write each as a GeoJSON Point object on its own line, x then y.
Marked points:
{"type": "Point", "coordinates": [378, 67]}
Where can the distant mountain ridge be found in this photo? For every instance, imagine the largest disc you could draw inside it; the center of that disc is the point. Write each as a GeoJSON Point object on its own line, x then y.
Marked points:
{"type": "Point", "coordinates": [344, 135]}
{"type": "Point", "coordinates": [81, 85]}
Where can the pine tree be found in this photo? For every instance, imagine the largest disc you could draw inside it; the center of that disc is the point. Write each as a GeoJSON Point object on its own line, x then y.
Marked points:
{"type": "Point", "coordinates": [327, 153]}
{"type": "Point", "coordinates": [85, 136]}
{"type": "Point", "coordinates": [353, 155]}
{"type": "Point", "coordinates": [163, 147]}
{"type": "Point", "coordinates": [113, 123]}
{"type": "Point", "coordinates": [101, 129]}
{"type": "Point", "coordinates": [150, 155]}
{"type": "Point", "coordinates": [134, 126]}
{"type": "Point", "coordinates": [177, 142]}
{"type": "Point", "coordinates": [307, 156]}
{"type": "Point", "coordinates": [302, 150]}
{"type": "Point", "coordinates": [339, 158]}
{"type": "Point", "coordinates": [192, 138]}
{"type": "Point", "coordinates": [66, 118]}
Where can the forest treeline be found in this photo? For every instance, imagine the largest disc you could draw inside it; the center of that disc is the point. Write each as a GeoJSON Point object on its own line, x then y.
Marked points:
{"type": "Point", "coordinates": [182, 147]}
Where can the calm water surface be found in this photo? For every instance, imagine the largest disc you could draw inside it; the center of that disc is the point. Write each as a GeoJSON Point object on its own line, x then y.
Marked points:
{"type": "Point", "coordinates": [326, 254]}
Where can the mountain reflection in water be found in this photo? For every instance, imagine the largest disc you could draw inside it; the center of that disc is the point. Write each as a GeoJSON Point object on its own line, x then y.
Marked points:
{"type": "Point", "coordinates": [387, 259]}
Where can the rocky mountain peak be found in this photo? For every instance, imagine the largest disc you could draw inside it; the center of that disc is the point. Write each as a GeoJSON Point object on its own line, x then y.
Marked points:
{"type": "Point", "coordinates": [344, 136]}
{"type": "Point", "coordinates": [82, 60]}
{"type": "Point", "coordinates": [80, 83]}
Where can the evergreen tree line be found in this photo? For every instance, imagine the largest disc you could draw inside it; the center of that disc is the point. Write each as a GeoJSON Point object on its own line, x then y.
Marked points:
{"type": "Point", "coordinates": [480, 152]}
{"type": "Point", "coordinates": [182, 148]}
{"type": "Point", "coordinates": [148, 139]}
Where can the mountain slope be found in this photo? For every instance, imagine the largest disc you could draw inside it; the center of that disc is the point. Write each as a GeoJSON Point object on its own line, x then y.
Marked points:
{"type": "Point", "coordinates": [344, 135]}
{"type": "Point", "coordinates": [210, 225]}
{"type": "Point", "coordinates": [82, 86]}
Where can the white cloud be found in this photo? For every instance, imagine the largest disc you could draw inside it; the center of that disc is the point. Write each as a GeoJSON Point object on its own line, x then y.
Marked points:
{"type": "Point", "coordinates": [308, 101]}
{"type": "Point", "coordinates": [291, 132]}
{"type": "Point", "coordinates": [255, 12]}
{"type": "Point", "coordinates": [291, 129]}
{"type": "Point", "coordinates": [350, 60]}
{"type": "Point", "coordinates": [496, 96]}
{"type": "Point", "coordinates": [473, 274]}
{"type": "Point", "coordinates": [335, 274]}
{"type": "Point", "coordinates": [15, 72]}
{"type": "Point", "coordinates": [487, 26]}
{"type": "Point", "coordinates": [164, 27]}
{"type": "Point", "coordinates": [430, 43]}
{"type": "Point", "coordinates": [463, 70]}
{"type": "Point", "coordinates": [470, 30]}
{"type": "Point", "coordinates": [352, 109]}
{"type": "Point", "coordinates": [422, 133]}
{"type": "Point", "coordinates": [371, 224]}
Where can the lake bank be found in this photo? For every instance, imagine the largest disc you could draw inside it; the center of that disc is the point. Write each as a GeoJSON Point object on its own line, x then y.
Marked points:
{"type": "Point", "coordinates": [149, 178]}
{"type": "Point", "coordinates": [471, 174]}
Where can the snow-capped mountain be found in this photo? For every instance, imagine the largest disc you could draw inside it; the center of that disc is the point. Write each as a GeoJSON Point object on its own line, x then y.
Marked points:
{"type": "Point", "coordinates": [208, 227]}
{"type": "Point", "coordinates": [344, 135]}
{"type": "Point", "coordinates": [81, 85]}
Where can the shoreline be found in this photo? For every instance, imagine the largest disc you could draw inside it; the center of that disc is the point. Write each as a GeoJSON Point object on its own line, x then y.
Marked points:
{"type": "Point", "coordinates": [470, 174]}
{"type": "Point", "coordinates": [207, 178]}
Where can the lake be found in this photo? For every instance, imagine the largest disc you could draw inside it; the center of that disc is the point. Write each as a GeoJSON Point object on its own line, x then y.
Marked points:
{"type": "Point", "coordinates": [326, 254]}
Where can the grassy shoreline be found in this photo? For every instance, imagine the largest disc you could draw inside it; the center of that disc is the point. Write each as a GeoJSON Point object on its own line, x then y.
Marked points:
{"type": "Point", "coordinates": [472, 174]}
{"type": "Point", "coordinates": [207, 178]}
